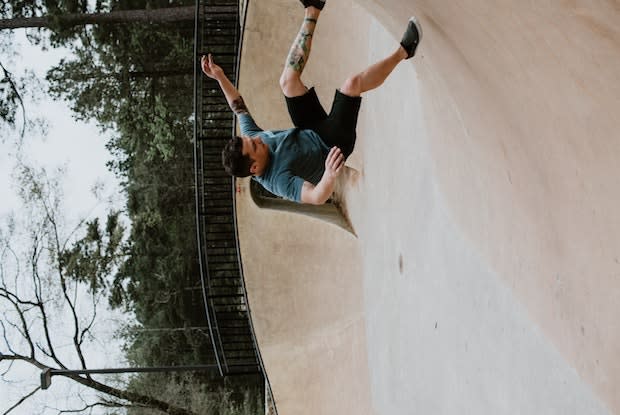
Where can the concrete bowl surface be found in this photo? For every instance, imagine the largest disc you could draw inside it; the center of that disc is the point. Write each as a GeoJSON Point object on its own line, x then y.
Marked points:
{"type": "Point", "coordinates": [483, 271]}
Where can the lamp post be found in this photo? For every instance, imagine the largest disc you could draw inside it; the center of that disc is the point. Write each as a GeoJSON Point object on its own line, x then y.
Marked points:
{"type": "Point", "coordinates": [46, 374]}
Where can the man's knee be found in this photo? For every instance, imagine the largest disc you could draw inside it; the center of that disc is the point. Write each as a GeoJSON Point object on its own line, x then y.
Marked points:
{"type": "Point", "coordinates": [291, 85]}
{"type": "Point", "coordinates": [352, 86]}
{"type": "Point", "coordinates": [284, 82]}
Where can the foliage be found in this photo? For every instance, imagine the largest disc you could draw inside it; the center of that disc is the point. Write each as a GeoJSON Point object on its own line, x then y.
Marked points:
{"type": "Point", "coordinates": [58, 32]}
{"type": "Point", "coordinates": [188, 390]}
{"type": "Point", "coordinates": [11, 101]}
{"type": "Point", "coordinates": [15, 89]}
{"type": "Point", "coordinates": [36, 8]}
{"type": "Point", "coordinates": [94, 257]}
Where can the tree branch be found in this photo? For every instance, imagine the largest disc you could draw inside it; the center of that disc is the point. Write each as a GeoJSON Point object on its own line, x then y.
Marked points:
{"type": "Point", "coordinates": [48, 205]}
{"type": "Point", "coordinates": [20, 358]}
{"type": "Point", "coordinates": [22, 400]}
{"type": "Point", "coordinates": [94, 405]}
{"type": "Point", "coordinates": [58, 246]}
{"type": "Point", "coordinates": [9, 249]}
{"type": "Point", "coordinates": [36, 279]}
{"type": "Point", "coordinates": [76, 322]}
{"type": "Point", "coordinates": [24, 332]}
{"type": "Point", "coordinates": [15, 89]}
{"type": "Point", "coordinates": [133, 397]}
{"type": "Point", "coordinates": [90, 324]}
{"type": "Point", "coordinates": [6, 341]}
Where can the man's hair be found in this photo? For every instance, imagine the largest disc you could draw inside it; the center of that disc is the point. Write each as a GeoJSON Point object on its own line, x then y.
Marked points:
{"type": "Point", "coordinates": [235, 163]}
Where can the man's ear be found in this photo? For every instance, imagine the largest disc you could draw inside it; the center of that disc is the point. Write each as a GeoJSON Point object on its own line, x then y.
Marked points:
{"type": "Point", "coordinates": [253, 168]}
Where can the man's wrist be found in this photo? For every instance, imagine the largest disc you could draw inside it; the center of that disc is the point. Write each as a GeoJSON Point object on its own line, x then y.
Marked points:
{"type": "Point", "coordinates": [326, 184]}
{"type": "Point", "coordinates": [328, 177]}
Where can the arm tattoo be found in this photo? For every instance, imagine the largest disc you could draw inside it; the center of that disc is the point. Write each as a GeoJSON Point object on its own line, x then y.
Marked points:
{"type": "Point", "coordinates": [238, 106]}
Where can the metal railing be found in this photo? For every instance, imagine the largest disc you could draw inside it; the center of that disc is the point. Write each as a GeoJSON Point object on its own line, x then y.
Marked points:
{"type": "Point", "coordinates": [218, 32]}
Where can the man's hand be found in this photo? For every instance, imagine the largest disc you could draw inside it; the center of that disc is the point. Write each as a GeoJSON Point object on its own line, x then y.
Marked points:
{"type": "Point", "coordinates": [334, 163]}
{"type": "Point", "coordinates": [317, 195]}
{"type": "Point", "coordinates": [210, 69]}
{"type": "Point", "coordinates": [213, 71]}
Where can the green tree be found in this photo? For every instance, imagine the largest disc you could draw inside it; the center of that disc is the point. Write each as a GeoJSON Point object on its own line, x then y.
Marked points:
{"type": "Point", "coordinates": [67, 20]}
{"type": "Point", "coordinates": [188, 389]}
{"type": "Point", "coordinates": [68, 23]}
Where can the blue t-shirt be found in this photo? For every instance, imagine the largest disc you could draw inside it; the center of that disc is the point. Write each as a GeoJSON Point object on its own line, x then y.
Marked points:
{"type": "Point", "coordinates": [295, 156]}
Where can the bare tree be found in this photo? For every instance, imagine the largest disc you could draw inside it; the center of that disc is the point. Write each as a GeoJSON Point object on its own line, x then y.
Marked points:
{"type": "Point", "coordinates": [41, 300]}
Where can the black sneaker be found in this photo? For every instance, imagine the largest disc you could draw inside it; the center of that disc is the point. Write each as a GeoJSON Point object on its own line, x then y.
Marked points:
{"type": "Point", "coordinates": [319, 4]}
{"type": "Point", "coordinates": [412, 37]}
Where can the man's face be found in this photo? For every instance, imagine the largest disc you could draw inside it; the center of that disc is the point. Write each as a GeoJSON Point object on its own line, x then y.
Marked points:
{"type": "Point", "coordinates": [257, 151]}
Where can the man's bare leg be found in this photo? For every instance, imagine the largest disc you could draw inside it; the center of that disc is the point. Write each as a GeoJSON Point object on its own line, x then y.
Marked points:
{"type": "Point", "coordinates": [373, 76]}
{"type": "Point", "coordinates": [290, 80]}
{"type": "Point", "coordinates": [377, 73]}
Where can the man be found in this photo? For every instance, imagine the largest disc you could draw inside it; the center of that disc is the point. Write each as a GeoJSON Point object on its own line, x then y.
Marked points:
{"type": "Point", "coordinates": [302, 163]}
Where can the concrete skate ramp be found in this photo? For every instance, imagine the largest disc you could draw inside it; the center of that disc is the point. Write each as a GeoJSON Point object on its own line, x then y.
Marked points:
{"type": "Point", "coordinates": [484, 193]}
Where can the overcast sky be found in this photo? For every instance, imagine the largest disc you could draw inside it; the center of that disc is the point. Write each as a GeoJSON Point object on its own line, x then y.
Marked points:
{"type": "Point", "coordinates": [76, 145]}
{"type": "Point", "coordinates": [79, 148]}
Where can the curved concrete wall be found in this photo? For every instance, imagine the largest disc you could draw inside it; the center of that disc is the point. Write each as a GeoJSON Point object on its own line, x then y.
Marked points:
{"type": "Point", "coordinates": [518, 101]}
{"type": "Point", "coordinates": [303, 274]}
{"type": "Point", "coordinates": [484, 191]}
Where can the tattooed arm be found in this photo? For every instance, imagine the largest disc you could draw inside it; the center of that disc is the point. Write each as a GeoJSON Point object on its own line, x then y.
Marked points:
{"type": "Point", "coordinates": [213, 71]}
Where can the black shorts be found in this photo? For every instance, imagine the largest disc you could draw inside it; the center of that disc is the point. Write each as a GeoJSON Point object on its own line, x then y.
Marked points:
{"type": "Point", "coordinates": [335, 129]}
